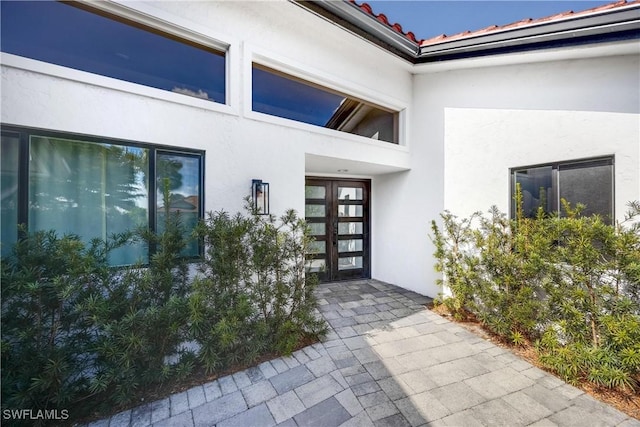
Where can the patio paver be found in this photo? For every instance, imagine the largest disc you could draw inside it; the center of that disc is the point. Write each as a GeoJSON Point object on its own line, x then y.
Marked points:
{"type": "Point", "coordinates": [387, 361]}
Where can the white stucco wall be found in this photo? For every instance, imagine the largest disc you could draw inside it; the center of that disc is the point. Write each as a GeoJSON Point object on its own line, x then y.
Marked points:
{"type": "Point", "coordinates": [471, 123]}
{"type": "Point", "coordinates": [481, 146]}
{"type": "Point", "coordinates": [240, 144]}
{"type": "Point", "coordinates": [465, 121]}
{"type": "Point", "coordinates": [503, 117]}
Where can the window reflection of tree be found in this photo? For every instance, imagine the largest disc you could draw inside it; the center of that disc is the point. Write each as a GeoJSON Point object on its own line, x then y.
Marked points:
{"type": "Point", "coordinates": [168, 179]}
{"type": "Point", "coordinates": [89, 189]}
{"type": "Point", "coordinates": [75, 184]}
{"type": "Point", "coordinates": [9, 191]}
{"type": "Point", "coordinates": [174, 183]}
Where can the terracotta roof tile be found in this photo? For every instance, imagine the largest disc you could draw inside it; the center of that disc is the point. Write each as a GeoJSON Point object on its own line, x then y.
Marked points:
{"type": "Point", "coordinates": [528, 21]}
{"type": "Point", "coordinates": [366, 8]}
{"type": "Point", "coordinates": [383, 18]}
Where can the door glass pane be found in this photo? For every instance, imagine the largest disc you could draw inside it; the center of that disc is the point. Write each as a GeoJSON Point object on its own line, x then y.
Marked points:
{"type": "Point", "coordinates": [590, 184]}
{"type": "Point", "coordinates": [350, 228]}
{"type": "Point", "coordinates": [9, 181]}
{"type": "Point", "coordinates": [314, 211]}
{"type": "Point", "coordinates": [317, 247]}
{"type": "Point", "coordinates": [350, 193]}
{"type": "Point", "coordinates": [178, 187]}
{"type": "Point", "coordinates": [350, 210]}
{"type": "Point", "coordinates": [314, 192]}
{"type": "Point", "coordinates": [315, 265]}
{"type": "Point", "coordinates": [536, 187]}
{"type": "Point", "coordinates": [350, 245]}
{"type": "Point", "coordinates": [350, 263]}
{"type": "Point", "coordinates": [89, 189]}
{"type": "Point", "coordinates": [317, 228]}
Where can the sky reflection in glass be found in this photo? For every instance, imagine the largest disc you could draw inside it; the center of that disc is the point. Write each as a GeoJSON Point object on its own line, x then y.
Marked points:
{"type": "Point", "coordinates": [284, 97]}
{"type": "Point", "coordinates": [65, 35]}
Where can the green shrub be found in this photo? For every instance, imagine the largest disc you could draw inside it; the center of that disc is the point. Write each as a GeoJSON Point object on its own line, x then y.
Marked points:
{"type": "Point", "coordinates": [571, 284]}
{"type": "Point", "coordinates": [74, 328]}
{"type": "Point", "coordinates": [456, 262]}
{"type": "Point", "coordinates": [253, 295]}
{"type": "Point", "coordinates": [47, 342]}
{"type": "Point", "coordinates": [83, 336]}
{"type": "Point", "coordinates": [510, 273]}
{"type": "Point", "coordinates": [221, 316]}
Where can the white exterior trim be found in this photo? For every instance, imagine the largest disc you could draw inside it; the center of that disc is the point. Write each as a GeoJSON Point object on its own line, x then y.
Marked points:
{"type": "Point", "coordinates": [304, 72]}
{"type": "Point", "coordinates": [149, 15]}
{"type": "Point", "coordinates": [461, 121]}
{"type": "Point", "coordinates": [152, 16]}
{"type": "Point", "coordinates": [66, 73]}
{"type": "Point", "coordinates": [628, 47]}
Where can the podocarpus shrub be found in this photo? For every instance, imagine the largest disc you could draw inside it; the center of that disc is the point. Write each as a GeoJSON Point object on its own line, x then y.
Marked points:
{"type": "Point", "coordinates": [83, 336]}
{"type": "Point", "coordinates": [511, 273]}
{"type": "Point", "coordinates": [75, 330]}
{"type": "Point", "coordinates": [456, 262]}
{"type": "Point", "coordinates": [569, 284]}
{"type": "Point", "coordinates": [141, 317]}
{"type": "Point", "coordinates": [253, 295]}
{"type": "Point", "coordinates": [47, 343]}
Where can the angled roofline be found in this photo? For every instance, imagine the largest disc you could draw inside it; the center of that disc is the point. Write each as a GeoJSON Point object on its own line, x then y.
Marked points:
{"type": "Point", "coordinates": [602, 26]}
{"type": "Point", "coordinates": [607, 25]}
{"type": "Point", "coordinates": [350, 17]}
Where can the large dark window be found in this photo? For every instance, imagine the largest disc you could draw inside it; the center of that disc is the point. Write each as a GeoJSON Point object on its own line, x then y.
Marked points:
{"type": "Point", "coordinates": [285, 96]}
{"type": "Point", "coordinates": [589, 182]}
{"type": "Point", "coordinates": [96, 42]}
{"type": "Point", "coordinates": [95, 188]}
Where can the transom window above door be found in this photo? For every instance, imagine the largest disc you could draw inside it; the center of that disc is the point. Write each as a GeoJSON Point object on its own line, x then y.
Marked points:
{"type": "Point", "coordinates": [282, 95]}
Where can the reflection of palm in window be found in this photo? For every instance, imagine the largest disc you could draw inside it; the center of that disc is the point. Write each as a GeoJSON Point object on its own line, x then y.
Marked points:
{"type": "Point", "coordinates": [178, 191]}
{"type": "Point", "coordinates": [87, 188]}
{"type": "Point", "coordinates": [94, 189]}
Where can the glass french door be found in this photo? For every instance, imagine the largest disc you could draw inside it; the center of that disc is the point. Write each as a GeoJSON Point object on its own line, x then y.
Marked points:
{"type": "Point", "coordinates": [337, 212]}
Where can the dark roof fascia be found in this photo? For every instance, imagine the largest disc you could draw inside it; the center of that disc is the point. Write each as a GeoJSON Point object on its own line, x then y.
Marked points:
{"type": "Point", "coordinates": [554, 44]}
{"type": "Point", "coordinates": [607, 26]}
{"type": "Point", "coordinates": [613, 25]}
{"type": "Point", "coordinates": [349, 16]}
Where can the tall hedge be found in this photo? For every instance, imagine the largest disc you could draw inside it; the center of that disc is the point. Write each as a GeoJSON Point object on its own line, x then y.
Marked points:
{"type": "Point", "coordinates": [80, 335]}
{"type": "Point", "coordinates": [568, 283]}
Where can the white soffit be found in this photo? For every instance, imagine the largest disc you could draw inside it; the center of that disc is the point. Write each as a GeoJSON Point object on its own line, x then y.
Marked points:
{"type": "Point", "coordinates": [323, 165]}
{"type": "Point", "coordinates": [630, 47]}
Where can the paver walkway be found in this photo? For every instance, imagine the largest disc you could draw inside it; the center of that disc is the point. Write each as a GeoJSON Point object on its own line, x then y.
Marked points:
{"type": "Point", "coordinates": [386, 362]}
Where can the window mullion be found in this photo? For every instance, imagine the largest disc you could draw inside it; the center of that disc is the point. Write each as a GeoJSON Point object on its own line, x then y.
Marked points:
{"type": "Point", "coordinates": [152, 197]}
{"type": "Point", "coordinates": [23, 182]}
{"type": "Point", "coordinates": [555, 184]}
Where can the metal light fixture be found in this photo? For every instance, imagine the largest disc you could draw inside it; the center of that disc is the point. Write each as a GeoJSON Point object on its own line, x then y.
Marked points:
{"type": "Point", "coordinates": [260, 196]}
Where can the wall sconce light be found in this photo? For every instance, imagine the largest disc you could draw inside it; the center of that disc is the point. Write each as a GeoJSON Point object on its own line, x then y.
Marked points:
{"type": "Point", "coordinates": [260, 196]}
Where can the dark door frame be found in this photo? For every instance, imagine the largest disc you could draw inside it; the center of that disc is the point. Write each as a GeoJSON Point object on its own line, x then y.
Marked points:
{"type": "Point", "coordinates": [332, 220]}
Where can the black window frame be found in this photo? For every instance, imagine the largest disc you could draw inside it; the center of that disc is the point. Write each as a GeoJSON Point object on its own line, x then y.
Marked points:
{"type": "Point", "coordinates": [556, 183]}
{"type": "Point", "coordinates": [24, 133]}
